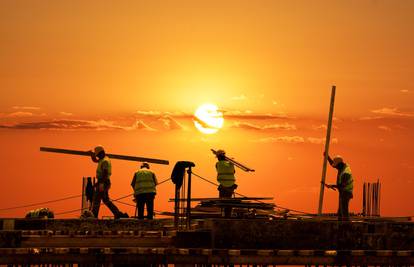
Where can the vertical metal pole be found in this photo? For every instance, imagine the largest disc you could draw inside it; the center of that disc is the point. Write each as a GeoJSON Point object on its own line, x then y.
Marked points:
{"type": "Point", "coordinates": [189, 199]}
{"type": "Point", "coordinates": [176, 205]}
{"type": "Point", "coordinates": [379, 198]}
{"type": "Point", "coordinates": [84, 204]}
{"type": "Point", "coordinates": [327, 142]}
{"type": "Point", "coordinates": [364, 200]}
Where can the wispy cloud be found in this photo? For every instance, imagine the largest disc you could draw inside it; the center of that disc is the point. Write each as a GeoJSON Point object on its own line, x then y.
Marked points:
{"type": "Point", "coordinates": [251, 126]}
{"type": "Point", "coordinates": [26, 107]}
{"type": "Point", "coordinates": [392, 112]}
{"type": "Point", "coordinates": [20, 114]}
{"type": "Point", "coordinates": [282, 139]}
{"type": "Point", "coordinates": [294, 140]}
{"type": "Point", "coordinates": [249, 115]}
{"type": "Point", "coordinates": [98, 125]}
{"type": "Point", "coordinates": [323, 127]}
{"type": "Point", "coordinates": [171, 124]}
{"type": "Point", "coordinates": [404, 91]}
{"type": "Point", "coordinates": [384, 128]}
{"type": "Point", "coordinates": [239, 98]}
{"type": "Point", "coordinates": [63, 113]}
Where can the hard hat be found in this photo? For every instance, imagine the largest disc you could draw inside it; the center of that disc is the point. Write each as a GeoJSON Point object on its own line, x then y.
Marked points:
{"type": "Point", "coordinates": [336, 160]}
{"type": "Point", "coordinates": [99, 149]}
{"type": "Point", "coordinates": [220, 152]}
{"type": "Point", "coordinates": [145, 165]}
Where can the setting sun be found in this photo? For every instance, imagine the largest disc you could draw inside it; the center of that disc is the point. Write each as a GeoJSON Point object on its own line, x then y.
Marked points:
{"type": "Point", "coordinates": [208, 119]}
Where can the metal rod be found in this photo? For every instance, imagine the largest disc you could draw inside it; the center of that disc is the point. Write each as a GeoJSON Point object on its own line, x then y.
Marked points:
{"type": "Point", "coordinates": [189, 199]}
{"type": "Point", "coordinates": [113, 156]}
{"type": "Point", "coordinates": [237, 164]}
{"type": "Point", "coordinates": [327, 142]}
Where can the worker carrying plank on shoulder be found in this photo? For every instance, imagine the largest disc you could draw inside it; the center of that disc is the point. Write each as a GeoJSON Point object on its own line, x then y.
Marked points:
{"type": "Point", "coordinates": [344, 184]}
{"type": "Point", "coordinates": [226, 178]}
{"type": "Point", "coordinates": [144, 183]}
{"type": "Point", "coordinates": [103, 174]}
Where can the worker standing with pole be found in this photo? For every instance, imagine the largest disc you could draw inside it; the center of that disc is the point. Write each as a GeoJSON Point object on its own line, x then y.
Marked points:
{"type": "Point", "coordinates": [225, 177]}
{"type": "Point", "coordinates": [103, 174]}
{"type": "Point", "coordinates": [144, 183]}
{"type": "Point", "coordinates": [344, 184]}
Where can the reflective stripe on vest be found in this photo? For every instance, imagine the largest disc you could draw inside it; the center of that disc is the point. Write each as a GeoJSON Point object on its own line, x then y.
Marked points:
{"type": "Point", "coordinates": [350, 184]}
{"type": "Point", "coordinates": [225, 173]}
{"type": "Point", "coordinates": [99, 169]}
{"type": "Point", "coordinates": [144, 182]}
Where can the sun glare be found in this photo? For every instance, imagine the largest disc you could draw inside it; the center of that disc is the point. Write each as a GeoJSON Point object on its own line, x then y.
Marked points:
{"type": "Point", "coordinates": [208, 119]}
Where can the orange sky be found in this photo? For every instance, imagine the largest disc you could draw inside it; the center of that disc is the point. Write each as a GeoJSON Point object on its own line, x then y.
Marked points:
{"type": "Point", "coordinates": [129, 75]}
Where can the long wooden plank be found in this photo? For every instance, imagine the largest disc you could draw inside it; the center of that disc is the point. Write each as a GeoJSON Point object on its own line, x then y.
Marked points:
{"type": "Point", "coordinates": [113, 156]}
{"type": "Point", "coordinates": [214, 199]}
{"type": "Point", "coordinates": [327, 142]}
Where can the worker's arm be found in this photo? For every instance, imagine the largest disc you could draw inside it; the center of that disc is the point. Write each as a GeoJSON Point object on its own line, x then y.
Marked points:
{"type": "Point", "coordinates": [155, 178]}
{"type": "Point", "coordinates": [329, 158]}
{"type": "Point", "coordinates": [105, 173]}
{"type": "Point", "coordinates": [93, 156]}
{"type": "Point", "coordinates": [134, 178]}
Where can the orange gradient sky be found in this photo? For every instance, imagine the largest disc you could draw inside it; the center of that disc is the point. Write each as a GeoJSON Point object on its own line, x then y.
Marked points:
{"type": "Point", "coordinates": [130, 74]}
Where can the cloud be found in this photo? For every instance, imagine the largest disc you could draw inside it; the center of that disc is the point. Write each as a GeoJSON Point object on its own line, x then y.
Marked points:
{"type": "Point", "coordinates": [368, 118]}
{"type": "Point", "coordinates": [249, 115]}
{"type": "Point", "coordinates": [20, 114]}
{"type": "Point", "coordinates": [239, 98]}
{"type": "Point", "coordinates": [323, 127]}
{"type": "Point", "coordinates": [171, 124]}
{"type": "Point", "coordinates": [98, 125]}
{"type": "Point", "coordinates": [251, 126]}
{"type": "Point", "coordinates": [320, 141]}
{"type": "Point", "coordinates": [392, 112]}
{"type": "Point", "coordinates": [384, 128]}
{"type": "Point", "coordinates": [63, 113]}
{"type": "Point", "coordinates": [294, 140]}
{"type": "Point", "coordinates": [282, 139]}
{"type": "Point", "coordinates": [26, 108]}
{"type": "Point", "coordinates": [404, 91]}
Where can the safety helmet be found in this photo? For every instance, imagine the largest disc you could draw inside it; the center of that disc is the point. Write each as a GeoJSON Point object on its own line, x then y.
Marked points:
{"type": "Point", "coordinates": [220, 152]}
{"type": "Point", "coordinates": [145, 165]}
{"type": "Point", "coordinates": [99, 149]}
{"type": "Point", "coordinates": [336, 160]}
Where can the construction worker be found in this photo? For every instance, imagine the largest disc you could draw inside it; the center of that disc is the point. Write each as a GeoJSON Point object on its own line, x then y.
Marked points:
{"type": "Point", "coordinates": [344, 184]}
{"type": "Point", "coordinates": [103, 174]}
{"type": "Point", "coordinates": [144, 183]}
{"type": "Point", "coordinates": [225, 177]}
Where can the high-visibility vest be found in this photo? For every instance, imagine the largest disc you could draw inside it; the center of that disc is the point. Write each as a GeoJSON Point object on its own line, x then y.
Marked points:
{"type": "Point", "coordinates": [225, 173]}
{"type": "Point", "coordinates": [99, 169]}
{"type": "Point", "coordinates": [144, 182]}
{"type": "Point", "coordinates": [350, 183]}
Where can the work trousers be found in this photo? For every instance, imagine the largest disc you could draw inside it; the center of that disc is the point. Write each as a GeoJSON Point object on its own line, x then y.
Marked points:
{"type": "Point", "coordinates": [226, 192]}
{"type": "Point", "coordinates": [104, 196]}
{"type": "Point", "coordinates": [343, 206]}
{"type": "Point", "coordinates": [148, 200]}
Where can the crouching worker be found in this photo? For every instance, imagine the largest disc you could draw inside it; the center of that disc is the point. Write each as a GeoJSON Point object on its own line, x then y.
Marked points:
{"type": "Point", "coordinates": [144, 183]}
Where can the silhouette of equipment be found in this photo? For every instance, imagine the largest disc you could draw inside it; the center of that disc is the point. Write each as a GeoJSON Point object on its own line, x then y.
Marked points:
{"type": "Point", "coordinates": [177, 177]}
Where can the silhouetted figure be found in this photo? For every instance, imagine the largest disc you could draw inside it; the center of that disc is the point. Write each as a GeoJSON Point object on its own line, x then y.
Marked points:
{"type": "Point", "coordinates": [225, 177]}
{"type": "Point", "coordinates": [144, 183]}
{"type": "Point", "coordinates": [103, 174]}
{"type": "Point", "coordinates": [344, 184]}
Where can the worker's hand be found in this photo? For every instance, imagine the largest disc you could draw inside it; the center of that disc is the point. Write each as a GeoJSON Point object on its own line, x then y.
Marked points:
{"type": "Point", "coordinates": [324, 153]}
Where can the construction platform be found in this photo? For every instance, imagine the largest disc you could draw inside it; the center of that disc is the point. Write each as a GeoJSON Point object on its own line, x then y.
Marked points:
{"type": "Point", "coordinates": [208, 242]}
